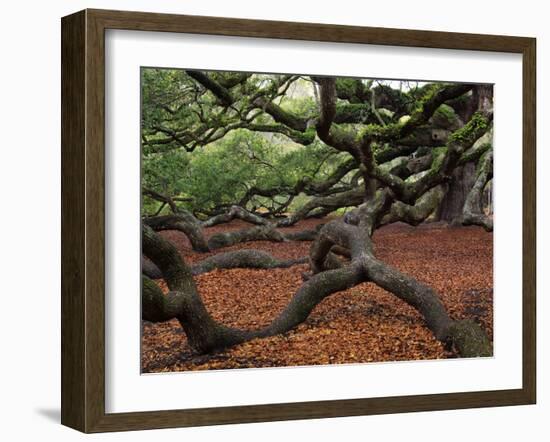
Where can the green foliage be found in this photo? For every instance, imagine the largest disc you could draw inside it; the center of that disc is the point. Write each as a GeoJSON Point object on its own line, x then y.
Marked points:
{"type": "Point", "coordinates": [209, 138]}
{"type": "Point", "coordinates": [303, 106]}
{"type": "Point", "coordinates": [221, 173]}
{"type": "Point", "coordinates": [346, 86]}
{"type": "Point", "coordinates": [168, 95]}
{"type": "Point", "coordinates": [377, 131]}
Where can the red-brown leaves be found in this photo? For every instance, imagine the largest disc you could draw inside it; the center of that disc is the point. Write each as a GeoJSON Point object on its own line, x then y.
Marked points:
{"type": "Point", "coordinates": [362, 324]}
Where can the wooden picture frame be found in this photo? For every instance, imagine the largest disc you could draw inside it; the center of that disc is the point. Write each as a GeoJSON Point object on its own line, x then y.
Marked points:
{"type": "Point", "coordinates": [83, 216]}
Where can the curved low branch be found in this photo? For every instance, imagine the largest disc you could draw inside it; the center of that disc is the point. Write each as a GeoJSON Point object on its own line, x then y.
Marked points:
{"type": "Point", "coordinates": [233, 213]}
{"type": "Point", "coordinates": [203, 332]}
{"type": "Point", "coordinates": [252, 259]}
{"type": "Point", "coordinates": [332, 134]}
{"type": "Point", "coordinates": [258, 233]}
{"type": "Point", "coordinates": [184, 222]}
{"type": "Point", "coordinates": [303, 235]}
{"type": "Point", "coordinates": [239, 259]}
{"type": "Point", "coordinates": [422, 297]}
{"type": "Point", "coordinates": [467, 337]}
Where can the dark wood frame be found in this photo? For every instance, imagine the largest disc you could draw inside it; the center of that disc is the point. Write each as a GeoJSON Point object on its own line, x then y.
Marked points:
{"type": "Point", "coordinates": [83, 216]}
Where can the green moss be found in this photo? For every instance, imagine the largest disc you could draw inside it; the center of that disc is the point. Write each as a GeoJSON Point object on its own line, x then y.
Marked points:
{"type": "Point", "coordinates": [445, 117]}
{"type": "Point", "coordinates": [382, 152]}
{"type": "Point", "coordinates": [307, 137]}
{"type": "Point", "coordinates": [446, 111]}
{"type": "Point", "coordinates": [438, 155]}
{"type": "Point", "coordinates": [429, 91]}
{"type": "Point", "coordinates": [416, 177]}
{"type": "Point", "coordinates": [470, 339]}
{"type": "Point", "coordinates": [352, 112]}
{"type": "Point", "coordinates": [483, 164]}
{"type": "Point", "coordinates": [475, 152]}
{"type": "Point", "coordinates": [385, 112]}
{"type": "Point", "coordinates": [423, 150]}
{"type": "Point", "coordinates": [404, 119]}
{"type": "Point", "coordinates": [376, 131]}
{"type": "Point", "coordinates": [394, 165]}
{"type": "Point", "coordinates": [467, 134]}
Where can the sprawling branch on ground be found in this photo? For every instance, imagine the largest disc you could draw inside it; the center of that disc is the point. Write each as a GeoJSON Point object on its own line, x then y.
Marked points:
{"type": "Point", "coordinates": [205, 334]}
{"type": "Point", "coordinates": [184, 302]}
{"type": "Point", "coordinates": [258, 233]}
{"type": "Point", "coordinates": [187, 223]}
{"type": "Point", "coordinates": [247, 258]}
{"type": "Point", "coordinates": [235, 212]}
{"type": "Point", "coordinates": [252, 259]}
{"type": "Point", "coordinates": [184, 222]}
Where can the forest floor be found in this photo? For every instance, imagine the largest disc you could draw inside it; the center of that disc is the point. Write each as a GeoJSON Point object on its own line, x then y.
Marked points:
{"type": "Point", "coordinates": [362, 324]}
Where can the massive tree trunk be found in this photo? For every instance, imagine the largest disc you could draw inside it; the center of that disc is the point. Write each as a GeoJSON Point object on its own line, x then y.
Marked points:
{"type": "Point", "coordinates": [462, 180]}
{"type": "Point", "coordinates": [474, 210]}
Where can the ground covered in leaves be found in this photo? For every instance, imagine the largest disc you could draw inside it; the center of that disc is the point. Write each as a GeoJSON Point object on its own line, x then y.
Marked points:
{"type": "Point", "coordinates": [363, 324]}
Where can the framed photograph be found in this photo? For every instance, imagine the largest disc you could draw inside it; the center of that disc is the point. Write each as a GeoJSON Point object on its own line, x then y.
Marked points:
{"type": "Point", "coordinates": [267, 220]}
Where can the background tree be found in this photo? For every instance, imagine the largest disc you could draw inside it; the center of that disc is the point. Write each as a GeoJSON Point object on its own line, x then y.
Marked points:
{"type": "Point", "coordinates": [274, 149]}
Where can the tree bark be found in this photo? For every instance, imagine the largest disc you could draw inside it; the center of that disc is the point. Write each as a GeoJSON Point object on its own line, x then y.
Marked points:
{"type": "Point", "coordinates": [462, 180]}
{"type": "Point", "coordinates": [185, 223]}
{"type": "Point", "coordinates": [235, 212]}
{"type": "Point", "coordinates": [258, 233]}
{"type": "Point", "coordinates": [251, 259]}
{"type": "Point", "coordinates": [473, 213]}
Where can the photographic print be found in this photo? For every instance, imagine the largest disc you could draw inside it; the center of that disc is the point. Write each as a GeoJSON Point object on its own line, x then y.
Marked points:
{"type": "Point", "coordinates": [270, 218]}
{"type": "Point", "coordinates": [299, 220]}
